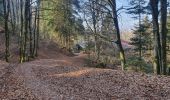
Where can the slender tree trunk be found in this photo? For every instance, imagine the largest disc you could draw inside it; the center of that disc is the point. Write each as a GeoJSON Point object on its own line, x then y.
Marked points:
{"type": "Point", "coordinates": [157, 43]}
{"type": "Point", "coordinates": [21, 32]}
{"type": "Point", "coordinates": [34, 33]}
{"type": "Point", "coordinates": [26, 22]}
{"type": "Point", "coordinates": [164, 34]}
{"type": "Point", "coordinates": [30, 32]}
{"type": "Point", "coordinates": [6, 15]}
{"type": "Point", "coordinates": [38, 28]}
{"type": "Point", "coordinates": [140, 34]}
{"type": "Point", "coordinates": [12, 16]}
{"type": "Point", "coordinates": [115, 19]}
{"type": "Point", "coordinates": [94, 17]}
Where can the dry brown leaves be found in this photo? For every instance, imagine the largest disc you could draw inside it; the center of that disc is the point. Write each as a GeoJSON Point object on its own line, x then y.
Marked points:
{"type": "Point", "coordinates": [52, 80]}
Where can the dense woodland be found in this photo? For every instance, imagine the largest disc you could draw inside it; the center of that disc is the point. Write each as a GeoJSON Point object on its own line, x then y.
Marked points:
{"type": "Point", "coordinates": [94, 24]}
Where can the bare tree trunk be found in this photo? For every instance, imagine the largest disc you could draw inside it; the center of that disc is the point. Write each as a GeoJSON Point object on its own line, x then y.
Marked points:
{"type": "Point", "coordinates": [157, 43]}
{"type": "Point", "coordinates": [34, 33]}
{"type": "Point", "coordinates": [164, 34]}
{"type": "Point", "coordinates": [6, 15]}
{"type": "Point", "coordinates": [30, 32]}
{"type": "Point", "coordinates": [12, 16]}
{"type": "Point", "coordinates": [140, 34]}
{"type": "Point", "coordinates": [21, 32]}
{"type": "Point", "coordinates": [26, 22]}
{"type": "Point", "coordinates": [115, 19]}
{"type": "Point", "coordinates": [38, 28]}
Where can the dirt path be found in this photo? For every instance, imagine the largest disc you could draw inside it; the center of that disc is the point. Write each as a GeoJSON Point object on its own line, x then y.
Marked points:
{"type": "Point", "coordinates": [49, 79]}
{"type": "Point", "coordinates": [32, 72]}
{"type": "Point", "coordinates": [38, 88]}
{"type": "Point", "coordinates": [78, 60]}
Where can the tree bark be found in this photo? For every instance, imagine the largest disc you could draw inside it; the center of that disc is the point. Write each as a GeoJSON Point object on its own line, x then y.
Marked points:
{"type": "Point", "coordinates": [30, 32]}
{"type": "Point", "coordinates": [6, 15]}
{"type": "Point", "coordinates": [164, 34]}
{"type": "Point", "coordinates": [38, 28]}
{"type": "Point", "coordinates": [21, 32]}
{"type": "Point", "coordinates": [26, 23]}
{"type": "Point", "coordinates": [115, 19]}
{"type": "Point", "coordinates": [157, 43]}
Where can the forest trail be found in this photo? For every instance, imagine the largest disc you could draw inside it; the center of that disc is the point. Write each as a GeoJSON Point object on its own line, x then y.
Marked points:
{"type": "Point", "coordinates": [56, 76]}
{"type": "Point", "coordinates": [50, 50]}
{"type": "Point", "coordinates": [39, 77]}
{"type": "Point", "coordinates": [49, 79]}
{"type": "Point", "coordinates": [42, 90]}
{"type": "Point", "coordinates": [77, 60]}
{"type": "Point", "coordinates": [30, 81]}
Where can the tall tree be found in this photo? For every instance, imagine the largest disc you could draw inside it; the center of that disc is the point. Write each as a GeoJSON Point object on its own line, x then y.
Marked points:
{"type": "Point", "coordinates": [137, 9]}
{"type": "Point", "coordinates": [157, 44]}
{"type": "Point", "coordinates": [37, 27]}
{"type": "Point", "coordinates": [6, 5]}
{"type": "Point", "coordinates": [145, 35]}
{"type": "Point", "coordinates": [92, 16]}
{"type": "Point", "coordinates": [112, 3]}
{"type": "Point", "coordinates": [164, 35]}
{"type": "Point", "coordinates": [21, 32]}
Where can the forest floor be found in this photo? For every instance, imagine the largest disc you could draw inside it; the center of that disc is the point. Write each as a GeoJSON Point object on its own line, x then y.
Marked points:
{"type": "Point", "coordinates": [58, 75]}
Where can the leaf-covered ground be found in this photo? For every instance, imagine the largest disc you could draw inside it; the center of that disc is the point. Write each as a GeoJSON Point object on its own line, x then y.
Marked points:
{"type": "Point", "coordinates": [49, 79]}
{"type": "Point", "coordinates": [56, 76]}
